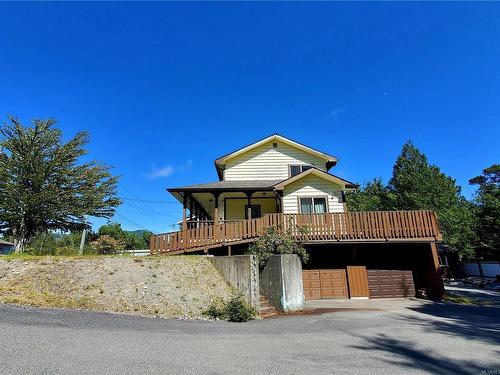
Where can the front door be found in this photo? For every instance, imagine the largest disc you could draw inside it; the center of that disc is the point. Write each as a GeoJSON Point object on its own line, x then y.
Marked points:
{"type": "Point", "coordinates": [255, 211]}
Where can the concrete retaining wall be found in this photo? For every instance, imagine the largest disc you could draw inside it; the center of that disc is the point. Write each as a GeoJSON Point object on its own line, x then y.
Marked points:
{"type": "Point", "coordinates": [242, 272]}
{"type": "Point", "coordinates": [281, 282]}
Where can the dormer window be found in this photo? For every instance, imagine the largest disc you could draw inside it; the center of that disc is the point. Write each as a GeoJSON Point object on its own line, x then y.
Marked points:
{"type": "Point", "coordinates": [296, 169]}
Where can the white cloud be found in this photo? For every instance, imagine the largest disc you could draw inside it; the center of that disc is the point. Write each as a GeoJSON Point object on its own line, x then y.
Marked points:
{"type": "Point", "coordinates": [160, 172]}
{"type": "Point", "coordinates": [336, 112]}
{"type": "Point", "coordinates": [167, 170]}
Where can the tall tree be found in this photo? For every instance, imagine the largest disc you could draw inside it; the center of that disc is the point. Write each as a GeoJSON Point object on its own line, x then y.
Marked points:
{"type": "Point", "coordinates": [43, 184]}
{"type": "Point", "coordinates": [373, 196]}
{"type": "Point", "coordinates": [417, 185]}
{"type": "Point", "coordinates": [487, 201]}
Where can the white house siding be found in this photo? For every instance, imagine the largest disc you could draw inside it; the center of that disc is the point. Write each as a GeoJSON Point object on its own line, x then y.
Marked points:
{"type": "Point", "coordinates": [312, 186]}
{"type": "Point", "coordinates": [268, 163]}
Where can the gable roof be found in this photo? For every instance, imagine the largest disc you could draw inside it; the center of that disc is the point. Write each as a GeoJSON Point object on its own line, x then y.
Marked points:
{"type": "Point", "coordinates": [318, 173]}
{"type": "Point", "coordinates": [330, 160]}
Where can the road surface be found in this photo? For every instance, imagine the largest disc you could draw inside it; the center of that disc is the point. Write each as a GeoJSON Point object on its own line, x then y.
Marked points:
{"type": "Point", "coordinates": [420, 338]}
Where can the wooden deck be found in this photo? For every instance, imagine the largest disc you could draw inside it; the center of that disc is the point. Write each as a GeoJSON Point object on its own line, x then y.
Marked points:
{"type": "Point", "coordinates": [347, 227]}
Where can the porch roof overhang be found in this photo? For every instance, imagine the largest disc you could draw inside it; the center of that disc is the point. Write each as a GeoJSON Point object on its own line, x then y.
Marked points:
{"type": "Point", "coordinates": [203, 194]}
{"type": "Point", "coordinates": [227, 186]}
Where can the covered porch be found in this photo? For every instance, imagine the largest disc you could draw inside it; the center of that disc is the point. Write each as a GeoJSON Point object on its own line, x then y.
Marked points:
{"type": "Point", "coordinates": [226, 201]}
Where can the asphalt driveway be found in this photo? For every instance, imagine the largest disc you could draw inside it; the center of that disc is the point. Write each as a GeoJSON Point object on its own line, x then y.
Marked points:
{"type": "Point", "coordinates": [419, 338]}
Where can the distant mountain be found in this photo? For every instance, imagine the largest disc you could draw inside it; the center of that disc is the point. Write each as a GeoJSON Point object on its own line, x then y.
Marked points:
{"type": "Point", "coordinates": [138, 233]}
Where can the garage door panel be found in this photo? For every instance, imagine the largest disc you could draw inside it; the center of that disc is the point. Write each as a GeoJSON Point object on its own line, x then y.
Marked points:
{"type": "Point", "coordinates": [390, 283]}
{"type": "Point", "coordinates": [333, 284]}
{"type": "Point", "coordinates": [324, 284]}
{"type": "Point", "coordinates": [312, 294]}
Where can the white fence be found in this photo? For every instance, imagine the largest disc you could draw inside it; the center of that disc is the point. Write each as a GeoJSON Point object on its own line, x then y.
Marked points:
{"type": "Point", "coordinates": [136, 253]}
{"type": "Point", "coordinates": [482, 268]}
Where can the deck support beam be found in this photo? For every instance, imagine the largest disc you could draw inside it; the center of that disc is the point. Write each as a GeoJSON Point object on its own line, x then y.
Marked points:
{"type": "Point", "coordinates": [435, 288]}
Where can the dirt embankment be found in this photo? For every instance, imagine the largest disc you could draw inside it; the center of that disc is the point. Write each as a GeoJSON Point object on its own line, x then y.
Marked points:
{"type": "Point", "coordinates": [180, 286]}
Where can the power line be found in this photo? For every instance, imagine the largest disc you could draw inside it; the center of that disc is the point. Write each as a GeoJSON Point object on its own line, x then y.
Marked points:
{"type": "Point", "coordinates": [147, 200]}
{"type": "Point", "coordinates": [143, 209]}
{"type": "Point", "coordinates": [138, 204]}
{"type": "Point", "coordinates": [133, 223]}
{"type": "Point", "coordinates": [137, 199]}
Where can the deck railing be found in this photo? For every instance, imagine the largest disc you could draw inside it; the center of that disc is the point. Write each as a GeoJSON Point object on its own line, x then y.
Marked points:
{"type": "Point", "coordinates": [342, 227]}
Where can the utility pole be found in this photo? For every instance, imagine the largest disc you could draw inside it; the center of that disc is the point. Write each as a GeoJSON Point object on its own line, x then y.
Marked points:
{"type": "Point", "coordinates": [82, 242]}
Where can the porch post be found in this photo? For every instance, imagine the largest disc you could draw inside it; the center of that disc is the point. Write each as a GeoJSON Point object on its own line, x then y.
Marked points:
{"type": "Point", "coordinates": [279, 201]}
{"type": "Point", "coordinates": [190, 209]}
{"type": "Point", "coordinates": [216, 195]}
{"type": "Point", "coordinates": [249, 200]}
{"type": "Point", "coordinates": [184, 207]}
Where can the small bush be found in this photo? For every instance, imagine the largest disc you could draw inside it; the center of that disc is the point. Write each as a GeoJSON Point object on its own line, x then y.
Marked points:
{"type": "Point", "coordinates": [216, 310]}
{"type": "Point", "coordinates": [235, 310]}
{"type": "Point", "coordinates": [277, 240]}
{"type": "Point", "coordinates": [238, 310]}
{"type": "Point", "coordinates": [66, 250]}
{"type": "Point", "coordinates": [106, 245]}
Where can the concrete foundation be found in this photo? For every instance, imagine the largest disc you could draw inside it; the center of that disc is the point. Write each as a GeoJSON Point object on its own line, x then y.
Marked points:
{"type": "Point", "coordinates": [242, 272]}
{"type": "Point", "coordinates": [281, 282]}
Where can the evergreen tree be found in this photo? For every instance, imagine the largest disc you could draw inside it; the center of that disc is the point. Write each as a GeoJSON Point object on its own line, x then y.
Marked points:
{"type": "Point", "coordinates": [373, 196]}
{"type": "Point", "coordinates": [417, 185]}
{"type": "Point", "coordinates": [42, 184]}
{"type": "Point", "coordinates": [488, 212]}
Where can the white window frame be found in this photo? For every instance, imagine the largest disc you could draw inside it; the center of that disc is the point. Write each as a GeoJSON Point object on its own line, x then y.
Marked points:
{"type": "Point", "coordinates": [325, 197]}
{"type": "Point", "coordinates": [301, 166]}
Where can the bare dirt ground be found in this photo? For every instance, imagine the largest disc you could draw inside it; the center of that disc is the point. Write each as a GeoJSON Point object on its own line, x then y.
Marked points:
{"type": "Point", "coordinates": [169, 287]}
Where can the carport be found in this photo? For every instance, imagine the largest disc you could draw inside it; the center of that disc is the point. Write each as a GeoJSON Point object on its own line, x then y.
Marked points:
{"type": "Point", "coordinates": [371, 270]}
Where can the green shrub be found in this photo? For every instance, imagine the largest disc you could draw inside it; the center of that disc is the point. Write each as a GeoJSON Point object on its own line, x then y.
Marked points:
{"type": "Point", "coordinates": [106, 244]}
{"type": "Point", "coordinates": [279, 241]}
{"type": "Point", "coordinates": [235, 310]}
{"type": "Point", "coordinates": [66, 250]}
{"type": "Point", "coordinates": [216, 310]}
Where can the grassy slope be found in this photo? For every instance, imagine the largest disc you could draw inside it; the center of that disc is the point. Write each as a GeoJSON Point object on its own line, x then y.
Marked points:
{"type": "Point", "coordinates": [149, 286]}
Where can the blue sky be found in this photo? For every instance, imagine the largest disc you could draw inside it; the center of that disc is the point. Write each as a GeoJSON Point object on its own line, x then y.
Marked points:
{"type": "Point", "coordinates": [165, 88]}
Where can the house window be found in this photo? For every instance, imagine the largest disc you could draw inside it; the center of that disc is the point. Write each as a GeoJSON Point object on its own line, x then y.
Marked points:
{"type": "Point", "coordinates": [313, 205]}
{"type": "Point", "coordinates": [296, 169]}
{"type": "Point", "coordinates": [255, 211]}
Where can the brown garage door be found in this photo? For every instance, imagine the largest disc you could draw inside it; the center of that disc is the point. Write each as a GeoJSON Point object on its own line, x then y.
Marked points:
{"type": "Point", "coordinates": [324, 284]}
{"type": "Point", "coordinates": [390, 283]}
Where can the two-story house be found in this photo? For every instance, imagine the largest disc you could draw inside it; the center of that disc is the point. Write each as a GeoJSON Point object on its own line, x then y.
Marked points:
{"type": "Point", "coordinates": [280, 182]}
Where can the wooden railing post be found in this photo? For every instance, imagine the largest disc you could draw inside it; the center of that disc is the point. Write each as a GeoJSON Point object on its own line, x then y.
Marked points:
{"type": "Point", "coordinates": [385, 224]}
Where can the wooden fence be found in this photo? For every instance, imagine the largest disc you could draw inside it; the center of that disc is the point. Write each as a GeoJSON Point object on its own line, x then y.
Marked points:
{"type": "Point", "coordinates": [342, 227]}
